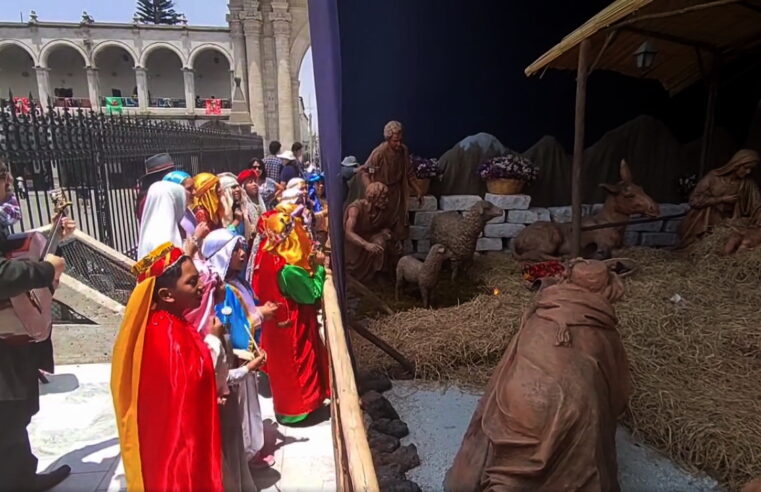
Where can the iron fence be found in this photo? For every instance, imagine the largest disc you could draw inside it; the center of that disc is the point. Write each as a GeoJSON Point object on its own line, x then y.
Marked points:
{"type": "Point", "coordinates": [96, 159]}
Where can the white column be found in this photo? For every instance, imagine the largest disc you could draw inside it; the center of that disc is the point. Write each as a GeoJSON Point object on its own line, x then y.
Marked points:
{"type": "Point", "coordinates": [296, 109]}
{"type": "Point", "coordinates": [239, 52]}
{"type": "Point", "coordinates": [253, 29]}
{"type": "Point", "coordinates": [285, 103]}
{"type": "Point", "coordinates": [93, 87]}
{"type": "Point", "coordinates": [190, 89]}
{"type": "Point", "coordinates": [43, 85]}
{"type": "Point", "coordinates": [141, 78]}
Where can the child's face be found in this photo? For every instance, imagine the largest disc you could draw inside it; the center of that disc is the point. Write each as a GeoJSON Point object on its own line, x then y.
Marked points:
{"type": "Point", "coordinates": [187, 292]}
{"type": "Point", "coordinates": [238, 260]}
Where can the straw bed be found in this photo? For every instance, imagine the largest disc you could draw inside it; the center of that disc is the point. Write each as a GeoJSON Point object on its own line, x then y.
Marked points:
{"type": "Point", "coordinates": [695, 363]}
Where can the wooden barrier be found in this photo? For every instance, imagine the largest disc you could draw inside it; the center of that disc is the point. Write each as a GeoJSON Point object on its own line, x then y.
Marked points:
{"type": "Point", "coordinates": [355, 471]}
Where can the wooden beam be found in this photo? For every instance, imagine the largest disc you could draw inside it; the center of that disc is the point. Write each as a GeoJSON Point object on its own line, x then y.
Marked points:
{"type": "Point", "coordinates": [608, 42]}
{"type": "Point", "coordinates": [671, 13]}
{"type": "Point", "coordinates": [403, 361]}
{"type": "Point", "coordinates": [708, 126]}
{"type": "Point", "coordinates": [578, 145]}
{"type": "Point", "coordinates": [671, 38]}
{"type": "Point", "coordinates": [751, 6]}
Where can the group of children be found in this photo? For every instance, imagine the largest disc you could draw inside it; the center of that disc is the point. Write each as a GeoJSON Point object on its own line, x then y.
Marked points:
{"type": "Point", "coordinates": [230, 279]}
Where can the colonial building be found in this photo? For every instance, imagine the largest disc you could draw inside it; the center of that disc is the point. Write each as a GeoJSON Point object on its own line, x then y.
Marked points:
{"type": "Point", "coordinates": [162, 71]}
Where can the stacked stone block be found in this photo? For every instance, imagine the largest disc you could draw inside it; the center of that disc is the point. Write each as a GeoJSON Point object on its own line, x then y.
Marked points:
{"type": "Point", "coordinates": [518, 213]}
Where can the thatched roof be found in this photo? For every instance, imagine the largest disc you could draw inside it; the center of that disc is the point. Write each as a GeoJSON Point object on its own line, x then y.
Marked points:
{"type": "Point", "coordinates": [689, 35]}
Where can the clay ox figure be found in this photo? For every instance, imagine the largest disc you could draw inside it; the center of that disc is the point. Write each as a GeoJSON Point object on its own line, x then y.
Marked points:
{"type": "Point", "coordinates": [460, 233]}
{"type": "Point", "coordinates": [547, 421]}
{"type": "Point", "coordinates": [725, 193]}
{"type": "Point", "coordinates": [389, 163]}
{"type": "Point", "coordinates": [367, 232]}
{"type": "Point", "coordinates": [543, 241]}
{"type": "Point", "coordinates": [423, 273]}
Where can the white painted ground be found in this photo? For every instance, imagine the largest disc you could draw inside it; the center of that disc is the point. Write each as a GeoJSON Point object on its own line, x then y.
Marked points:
{"type": "Point", "coordinates": [437, 417]}
{"type": "Point", "coordinates": [76, 426]}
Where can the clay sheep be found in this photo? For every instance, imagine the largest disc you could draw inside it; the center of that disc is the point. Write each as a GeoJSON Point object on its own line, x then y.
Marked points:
{"type": "Point", "coordinates": [459, 234]}
{"type": "Point", "coordinates": [423, 273]}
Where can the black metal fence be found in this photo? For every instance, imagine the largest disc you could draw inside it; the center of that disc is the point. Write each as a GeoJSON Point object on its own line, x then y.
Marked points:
{"type": "Point", "coordinates": [97, 159]}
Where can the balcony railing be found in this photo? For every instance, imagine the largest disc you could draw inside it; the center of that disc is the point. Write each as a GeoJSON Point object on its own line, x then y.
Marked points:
{"type": "Point", "coordinates": [166, 102]}
{"type": "Point", "coordinates": [223, 103]}
{"type": "Point", "coordinates": [127, 102]}
{"type": "Point", "coordinates": [72, 102]}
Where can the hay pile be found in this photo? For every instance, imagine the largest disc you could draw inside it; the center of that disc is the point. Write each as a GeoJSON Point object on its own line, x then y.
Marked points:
{"type": "Point", "coordinates": [696, 364]}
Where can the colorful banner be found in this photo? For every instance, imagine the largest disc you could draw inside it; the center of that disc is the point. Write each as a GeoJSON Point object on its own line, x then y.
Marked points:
{"type": "Point", "coordinates": [114, 105]}
{"type": "Point", "coordinates": [213, 106]}
{"type": "Point", "coordinates": [22, 105]}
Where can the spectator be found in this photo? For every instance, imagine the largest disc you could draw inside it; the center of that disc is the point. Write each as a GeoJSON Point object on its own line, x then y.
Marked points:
{"type": "Point", "coordinates": [348, 170]}
{"type": "Point", "coordinates": [290, 167]}
{"type": "Point", "coordinates": [272, 163]}
{"type": "Point", "coordinates": [298, 151]}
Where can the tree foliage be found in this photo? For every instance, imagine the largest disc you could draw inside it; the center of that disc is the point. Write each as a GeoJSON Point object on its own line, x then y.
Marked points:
{"type": "Point", "coordinates": [157, 12]}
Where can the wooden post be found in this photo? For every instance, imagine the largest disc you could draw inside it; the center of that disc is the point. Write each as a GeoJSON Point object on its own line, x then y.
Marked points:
{"type": "Point", "coordinates": [705, 147]}
{"type": "Point", "coordinates": [578, 146]}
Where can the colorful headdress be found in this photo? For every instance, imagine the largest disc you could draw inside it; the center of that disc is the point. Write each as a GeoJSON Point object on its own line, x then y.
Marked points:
{"type": "Point", "coordinates": [247, 174]}
{"type": "Point", "coordinates": [206, 194]}
{"type": "Point", "coordinates": [178, 177]}
{"type": "Point", "coordinates": [157, 262]}
{"type": "Point", "coordinates": [286, 237]}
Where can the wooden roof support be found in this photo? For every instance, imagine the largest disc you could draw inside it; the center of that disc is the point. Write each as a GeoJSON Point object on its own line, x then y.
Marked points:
{"type": "Point", "coordinates": [582, 72]}
{"type": "Point", "coordinates": [608, 42]}
{"type": "Point", "coordinates": [672, 39]}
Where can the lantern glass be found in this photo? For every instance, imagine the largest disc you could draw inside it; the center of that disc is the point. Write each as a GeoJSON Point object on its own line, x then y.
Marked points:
{"type": "Point", "coordinates": [645, 55]}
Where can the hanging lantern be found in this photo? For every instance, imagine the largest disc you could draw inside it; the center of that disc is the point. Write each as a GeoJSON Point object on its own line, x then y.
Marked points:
{"type": "Point", "coordinates": [645, 55]}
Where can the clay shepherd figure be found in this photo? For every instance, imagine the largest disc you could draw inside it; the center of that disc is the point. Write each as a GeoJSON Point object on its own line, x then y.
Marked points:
{"type": "Point", "coordinates": [367, 232]}
{"type": "Point", "coordinates": [390, 164]}
{"type": "Point", "coordinates": [547, 421]}
{"type": "Point", "coordinates": [725, 193]}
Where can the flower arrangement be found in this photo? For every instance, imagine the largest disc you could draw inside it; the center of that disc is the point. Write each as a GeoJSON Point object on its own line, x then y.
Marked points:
{"type": "Point", "coordinates": [511, 166]}
{"type": "Point", "coordinates": [425, 168]}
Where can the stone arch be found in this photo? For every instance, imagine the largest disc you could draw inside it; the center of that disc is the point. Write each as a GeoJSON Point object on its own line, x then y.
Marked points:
{"type": "Point", "coordinates": [51, 45]}
{"type": "Point", "coordinates": [23, 46]}
{"type": "Point", "coordinates": [154, 46]}
{"type": "Point", "coordinates": [299, 46]}
{"type": "Point", "coordinates": [213, 47]}
{"type": "Point", "coordinates": [113, 43]}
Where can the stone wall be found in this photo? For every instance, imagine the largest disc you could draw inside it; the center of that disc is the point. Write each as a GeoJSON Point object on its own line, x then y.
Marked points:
{"type": "Point", "coordinates": [518, 213]}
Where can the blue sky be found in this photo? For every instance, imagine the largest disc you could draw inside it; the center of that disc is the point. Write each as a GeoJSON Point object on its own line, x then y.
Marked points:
{"type": "Point", "coordinates": [198, 12]}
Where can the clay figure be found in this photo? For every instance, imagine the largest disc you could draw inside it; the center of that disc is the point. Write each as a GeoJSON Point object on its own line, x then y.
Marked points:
{"type": "Point", "coordinates": [368, 234]}
{"type": "Point", "coordinates": [743, 239]}
{"type": "Point", "coordinates": [725, 193]}
{"type": "Point", "coordinates": [459, 233]}
{"type": "Point", "coordinates": [423, 273]}
{"type": "Point", "coordinates": [547, 420]}
{"type": "Point", "coordinates": [389, 163]}
{"type": "Point", "coordinates": [544, 241]}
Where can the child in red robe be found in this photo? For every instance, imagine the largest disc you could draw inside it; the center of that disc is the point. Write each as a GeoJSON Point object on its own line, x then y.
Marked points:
{"type": "Point", "coordinates": [163, 384]}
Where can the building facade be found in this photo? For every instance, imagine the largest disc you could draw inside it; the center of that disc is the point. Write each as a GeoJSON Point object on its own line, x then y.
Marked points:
{"type": "Point", "coordinates": [157, 71]}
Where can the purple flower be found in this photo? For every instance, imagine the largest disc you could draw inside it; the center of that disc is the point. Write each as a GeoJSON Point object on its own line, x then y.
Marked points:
{"type": "Point", "coordinates": [510, 166]}
{"type": "Point", "coordinates": [425, 168]}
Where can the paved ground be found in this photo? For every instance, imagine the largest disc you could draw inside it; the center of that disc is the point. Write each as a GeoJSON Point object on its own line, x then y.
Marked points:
{"type": "Point", "coordinates": [437, 418]}
{"type": "Point", "coordinates": [76, 426]}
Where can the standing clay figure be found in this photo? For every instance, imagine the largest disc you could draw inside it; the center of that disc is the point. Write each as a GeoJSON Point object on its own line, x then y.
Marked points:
{"type": "Point", "coordinates": [368, 234]}
{"type": "Point", "coordinates": [460, 233]}
{"type": "Point", "coordinates": [725, 193]}
{"type": "Point", "coordinates": [547, 421]}
{"type": "Point", "coordinates": [423, 273]}
{"type": "Point", "coordinates": [545, 241]}
{"type": "Point", "coordinates": [389, 163]}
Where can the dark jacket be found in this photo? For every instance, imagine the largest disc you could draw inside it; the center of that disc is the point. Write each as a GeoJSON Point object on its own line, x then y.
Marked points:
{"type": "Point", "coordinates": [19, 365]}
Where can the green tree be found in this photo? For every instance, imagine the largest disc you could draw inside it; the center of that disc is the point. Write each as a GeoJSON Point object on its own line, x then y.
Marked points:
{"type": "Point", "coordinates": [157, 12]}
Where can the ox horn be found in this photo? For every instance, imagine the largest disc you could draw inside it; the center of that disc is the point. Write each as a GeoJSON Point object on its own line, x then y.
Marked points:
{"type": "Point", "coordinates": [625, 172]}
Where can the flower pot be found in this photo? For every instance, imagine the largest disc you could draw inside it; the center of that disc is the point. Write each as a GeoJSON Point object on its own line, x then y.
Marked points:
{"type": "Point", "coordinates": [505, 186]}
{"type": "Point", "coordinates": [423, 184]}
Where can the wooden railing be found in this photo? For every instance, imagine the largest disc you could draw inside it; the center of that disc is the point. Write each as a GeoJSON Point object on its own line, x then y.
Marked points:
{"type": "Point", "coordinates": [355, 471]}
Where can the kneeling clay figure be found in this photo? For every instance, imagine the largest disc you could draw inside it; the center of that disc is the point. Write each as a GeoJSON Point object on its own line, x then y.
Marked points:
{"type": "Point", "coordinates": [547, 421]}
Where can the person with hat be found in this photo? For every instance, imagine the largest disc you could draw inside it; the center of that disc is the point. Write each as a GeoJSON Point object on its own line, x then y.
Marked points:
{"type": "Point", "coordinates": [185, 180]}
{"type": "Point", "coordinates": [253, 205]}
{"type": "Point", "coordinates": [206, 203]}
{"type": "Point", "coordinates": [348, 170]}
{"type": "Point", "coordinates": [156, 167]}
{"type": "Point", "coordinates": [291, 168]}
{"type": "Point", "coordinates": [163, 381]}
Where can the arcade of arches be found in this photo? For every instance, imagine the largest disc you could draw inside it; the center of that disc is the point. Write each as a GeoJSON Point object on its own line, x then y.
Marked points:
{"type": "Point", "coordinates": [156, 72]}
